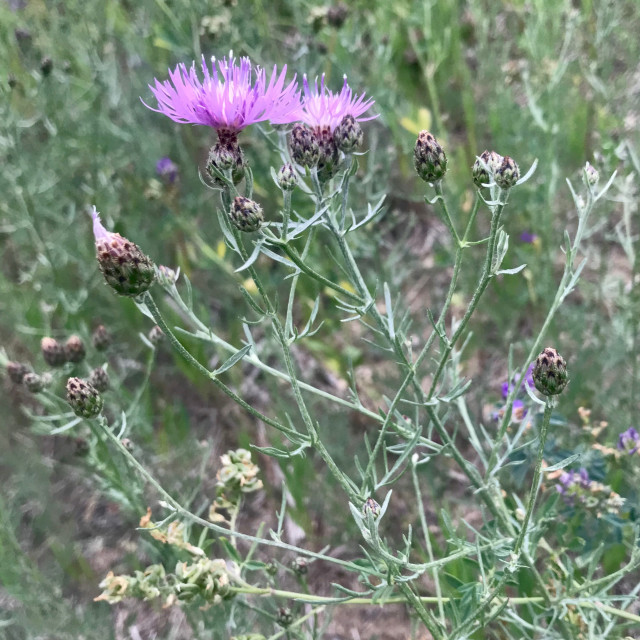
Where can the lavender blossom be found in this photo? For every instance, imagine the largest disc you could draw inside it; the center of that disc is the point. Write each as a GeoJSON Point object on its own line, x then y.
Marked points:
{"type": "Point", "coordinates": [227, 99]}
{"type": "Point", "coordinates": [629, 441]}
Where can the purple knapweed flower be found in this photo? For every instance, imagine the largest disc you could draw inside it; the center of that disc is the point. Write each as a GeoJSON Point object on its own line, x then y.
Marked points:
{"type": "Point", "coordinates": [167, 169]}
{"type": "Point", "coordinates": [528, 237]}
{"type": "Point", "coordinates": [227, 99]}
{"type": "Point", "coordinates": [528, 381]}
{"type": "Point", "coordinates": [324, 109]}
{"type": "Point", "coordinates": [629, 441]}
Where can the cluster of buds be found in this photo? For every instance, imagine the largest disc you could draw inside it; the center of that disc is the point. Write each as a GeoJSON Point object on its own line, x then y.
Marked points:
{"type": "Point", "coordinates": [203, 579]}
{"type": "Point", "coordinates": [575, 487]}
{"type": "Point", "coordinates": [56, 354]}
{"type": "Point", "coordinates": [550, 372]}
{"type": "Point", "coordinates": [17, 371]}
{"type": "Point", "coordinates": [491, 166]}
{"type": "Point", "coordinates": [84, 398]}
{"type": "Point", "coordinates": [238, 475]}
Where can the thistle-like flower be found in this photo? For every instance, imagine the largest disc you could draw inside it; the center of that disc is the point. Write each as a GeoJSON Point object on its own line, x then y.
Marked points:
{"type": "Point", "coordinates": [227, 99]}
{"type": "Point", "coordinates": [83, 398]}
{"type": "Point", "coordinates": [323, 108]}
{"type": "Point", "coordinates": [550, 372]}
{"type": "Point", "coordinates": [125, 268]}
{"type": "Point", "coordinates": [429, 158]}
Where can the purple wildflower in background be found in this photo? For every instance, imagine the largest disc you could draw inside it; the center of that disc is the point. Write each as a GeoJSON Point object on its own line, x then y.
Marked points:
{"type": "Point", "coordinates": [629, 441]}
{"type": "Point", "coordinates": [227, 99]}
{"type": "Point", "coordinates": [528, 380]}
{"type": "Point", "coordinates": [528, 237]}
{"type": "Point", "coordinates": [324, 109]}
{"type": "Point", "coordinates": [167, 169]}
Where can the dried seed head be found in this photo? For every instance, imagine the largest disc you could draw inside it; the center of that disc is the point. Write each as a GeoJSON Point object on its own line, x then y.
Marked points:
{"type": "Point", "coordinates": [101, 338]}
{"type": "Point", "coordinates": [550, 373]}
{"type": "Point", "coordinates": [83, 398]}
{"type": "Point", "coordinates": [481, 175]}
{"type": "Point", "coordinates": [348, 135]}
{"type": "Point", "coordinates": [155, 335]}
{"type": "Point", "coordinates": [246, 215]}
{"type": "Point", "coordinates": [99, 379]}
{"type": "Point", "coordinates": [287, 177]}
{"type": "Point", "coordinates": [429, 158]}
{"type": "Point", "coordinates": [53, 352]}
{"type": "Point", "coordinates": [507, 174]}
{"type": "Point", "coordinates": [592, 176]}
{"type": "Point", "coordinates": [33, 382]}
{"type": "Point", "coordinates": [304, 146]}
{"type": "Point", "coordinates": [74, 348]}
{"type": "Point", "coordinates": [125, 268]}
{"type": "Point", "coordinates": [17, 371]}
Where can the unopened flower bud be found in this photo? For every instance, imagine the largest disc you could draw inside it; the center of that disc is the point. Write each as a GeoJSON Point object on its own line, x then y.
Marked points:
{"type": "Point", "coordinates": [507, 174]}
{"type": "Point", "coordinates": [304, 146]}
{"type": "Point", "coordinates": [348, 135]}
{"type": "Point", "coordinates": [101, 338]}
{"type": "Point", "coordinates": [287, 177]}
{"type": "Point", "coordinates": [83, 398]}
{"type": "Point", "coordinates": [74, 349]}
{"type": "Point", "coordinates": [299, 566]}
{"type": "Point", "coordinates": [53, 352]}
{"type": "Point", "coordinates": [226, 155]}
{"type": "Point", "coordinates": [33, 382]}
{"type": "Point", "coordinates": [592, 176]}
{"type": "Point", "coordinates": [246, 214]}
{"type": "Point", "coordinates": [46, 66]}
{"type": "Point", "coordinates": [550, 373]}
{"type": "Point", "coordinates": [284, 617]}
{"type": "Point", "coordinates": [17, 371]}
{"type": "Point", "coordinates": [125, 268]}
{"type": "Point", "coordinates": [371, 506]}
{"type": "Point", "coordinates": [99, 379]}
{"type": "Point", "coordinates": [155, 335]}
{"type": "Point", "coordinates": [485, 167]}
{"type": "Point", "coordinates": [166, 276]}
{"type": "Point", "coordinates": [429, 158]}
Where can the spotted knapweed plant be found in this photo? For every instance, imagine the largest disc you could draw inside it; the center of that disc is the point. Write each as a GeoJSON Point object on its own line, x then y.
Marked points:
{"type": "Point", "coordinates": [516, 576]}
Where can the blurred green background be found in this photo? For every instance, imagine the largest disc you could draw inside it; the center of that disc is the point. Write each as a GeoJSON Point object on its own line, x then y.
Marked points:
{"type": "Point", "coordinates": [546, 79]}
